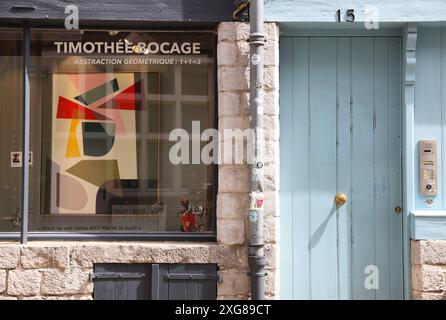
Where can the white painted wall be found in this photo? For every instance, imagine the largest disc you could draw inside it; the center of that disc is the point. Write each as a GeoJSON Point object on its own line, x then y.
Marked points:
{"type": "Point", "coordinates": [325, 10]}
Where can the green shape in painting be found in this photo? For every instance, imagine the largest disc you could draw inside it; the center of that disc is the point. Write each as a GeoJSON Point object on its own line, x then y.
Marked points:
{"type": "Point", "coordinates": [96, 171]}
{"type": "Point", "coordinates": [98, 138]}
{"type": "Point", "coordinates": [98, 92]}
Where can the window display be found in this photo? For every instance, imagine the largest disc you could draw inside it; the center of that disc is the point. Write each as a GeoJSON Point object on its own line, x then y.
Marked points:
{"type": "Point", "coordinates": [102, 106]}
{"type": "Point", "coordinates": [11, 105]}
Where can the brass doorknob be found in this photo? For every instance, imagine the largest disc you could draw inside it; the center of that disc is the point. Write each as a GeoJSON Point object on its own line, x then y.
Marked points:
{"type": "Point", "coordinates": [340, 198]}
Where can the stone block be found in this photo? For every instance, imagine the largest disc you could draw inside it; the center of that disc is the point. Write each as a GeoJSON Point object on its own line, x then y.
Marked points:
{"type": "Point", "coordinates": [44, 257]}
{"type": "Point", "coordinates": [231, 124]}
{"type": "Point", "coordinates": [270, 160]}
{"type": "Point", "coordinates": [232, 205]}
{"type": "Point", "coordinates": [428, 278]}
{"type": "Point", "coordinates": [226, 54]}
{"type": "Point", "coordinates": [419, 295]}
{"type": "Point", "coordinates": [23, 282]}
{"type": "Point", "coordinates": [9, 257]}
{"type": "Point", "coordinates": [271, 127]}
{"type": "Point", "coordinates": [226, 31]}
{"type": "Point", "coordinates": [270, 250]}
{"type": "Point", "coordinates": [72, 281]}
{"type": "Point", "coordinates": [271, 102]}
{"type": "Point", "coordinates": [271, 31]}
{"type": "Point", "coordinates": [237, 297]}
{"type": "Point", "coordinates": [271, 201]}
{"type": "Point", "coordinates": [270, 228]}
{"type": "Point", "coordinates": [245, 104]}
{"type": "Point", "coordinates": [69, 297]}
{"type": "Point", "coordinates": [233, 78]}
{"type": "Point", "coordinates": [270, 183]}
{"type": "Point", "coordinates": [233, 178]}
{"type": "Point", "coordinates": [235, 282]}
{"type": "Point", "coordinates": [271, 287]}
{"type": "Point", "coordinates": [233, 151]}
{"type": "Point", "coordinates": [271, 53]}
{"type": "Point", "coordinates": [270, 168]}
{"type": "Point", "coordinates": [84, 256]}
{"type": "Point", "coordinates": [241, 31]}
{"type": "Point", "coordinates": [228, 103]}
{"type": "Point", "coordinates": [271, 78]}
{"type": "Point", "coordinates": [243, 53]}
{"type": "Point", "coordinates": [428, 252]}
{"type": "Point", "coordinates": [231, 232]}
{"type": "Point", "coordinates": [2, 281]}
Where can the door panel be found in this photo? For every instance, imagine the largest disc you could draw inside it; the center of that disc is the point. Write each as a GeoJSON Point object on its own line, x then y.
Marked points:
{"type": "Point", "coordinates": [395, 185]}
{"type": "Point", "coordinates": [381, 167]}
{"type": "Point", "coordinates": [322, 167]}
{"type": "Point", "coordinates": [362, 163]}
{"type": "Point", "coordinates": [340, 132]}
{"type": "Point", "coordinates": [343, 171]}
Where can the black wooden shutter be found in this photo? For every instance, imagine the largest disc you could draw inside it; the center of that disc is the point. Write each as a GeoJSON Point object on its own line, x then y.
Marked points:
{"type": "Point", "coordinates": [121, 282]}
{"type": "Point", "coordinates": [185, 281]}
{"type": "Point", "coordinates": [155, 281]}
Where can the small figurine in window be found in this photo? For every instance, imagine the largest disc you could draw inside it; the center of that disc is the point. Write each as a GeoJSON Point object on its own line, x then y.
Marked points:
{"type": "Point", "coordinates": [157, 208]}
{"type": "Point", "coordinates": [187, 217]}
{"type": "Point", "coordinates": [199, 212]}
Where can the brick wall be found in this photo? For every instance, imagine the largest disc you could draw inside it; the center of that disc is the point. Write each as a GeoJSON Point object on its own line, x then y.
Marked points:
{"type": "Point", "coordinates": [60, 270]}
{"type": "Point", "coordinates": [428, 269]}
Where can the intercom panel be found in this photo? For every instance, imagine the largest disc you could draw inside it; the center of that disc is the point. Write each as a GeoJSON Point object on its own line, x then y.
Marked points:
{"type": "Point", "coordinates": [428, 167]}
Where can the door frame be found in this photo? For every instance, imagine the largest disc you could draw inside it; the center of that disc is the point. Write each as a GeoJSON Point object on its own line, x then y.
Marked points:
{"type": "Point", "coordinates": [408, 34]}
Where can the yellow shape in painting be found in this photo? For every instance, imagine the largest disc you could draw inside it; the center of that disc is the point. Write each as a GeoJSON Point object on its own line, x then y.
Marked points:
{"type": "Point", "coordinates": [72, 145]}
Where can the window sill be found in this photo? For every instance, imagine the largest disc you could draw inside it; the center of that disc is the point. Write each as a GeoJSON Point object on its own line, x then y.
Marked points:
{"type": "Point", "coordinates": [426, 225]}
{"type": "Point", "coordinates": [196, 237]}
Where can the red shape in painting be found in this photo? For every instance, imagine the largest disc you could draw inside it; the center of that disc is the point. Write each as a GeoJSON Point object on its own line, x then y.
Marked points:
{"type": "Point", "coordinates": [67, 109]}
{"type": "Point", "coordinates": [131, 98]}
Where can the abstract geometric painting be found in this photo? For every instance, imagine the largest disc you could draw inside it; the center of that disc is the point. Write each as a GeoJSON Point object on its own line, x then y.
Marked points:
{"type": "Point", "coordinates": [93, 135]}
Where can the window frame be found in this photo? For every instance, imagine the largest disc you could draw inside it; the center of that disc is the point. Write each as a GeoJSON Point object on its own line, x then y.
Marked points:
{"type": "Point", "coordinates": [25, 234]}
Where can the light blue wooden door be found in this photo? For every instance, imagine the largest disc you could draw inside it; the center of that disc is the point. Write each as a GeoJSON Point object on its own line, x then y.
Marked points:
{"type": "Point", "coordinates": [340, 119]}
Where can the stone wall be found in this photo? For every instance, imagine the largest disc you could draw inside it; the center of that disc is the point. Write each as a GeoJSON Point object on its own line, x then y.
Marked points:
{"type": "Point", "coordinates": [42, 271]}
{"type": "Point", "coordinates": [60, 270]}
{"type": "Point", "coordinates": [234, 112]}
{"type": "Point", "coordinates": [428, 269]}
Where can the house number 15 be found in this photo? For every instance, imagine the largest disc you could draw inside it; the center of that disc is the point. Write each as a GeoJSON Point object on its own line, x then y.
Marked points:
{"type": "Point", "coordinates": [349, 15]}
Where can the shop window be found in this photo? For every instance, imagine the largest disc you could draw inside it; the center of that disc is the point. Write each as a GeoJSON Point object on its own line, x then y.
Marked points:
{"type": "Point", "coordinates": [11, 106]}
{"type": "Point", "coordinates": [102, 107]}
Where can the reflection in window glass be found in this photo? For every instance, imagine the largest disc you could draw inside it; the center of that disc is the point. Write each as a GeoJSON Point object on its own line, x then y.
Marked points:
{"type": "Point", "coordinates": [101, 124]}
{"type": "Point", "coordinates": [11, 105]}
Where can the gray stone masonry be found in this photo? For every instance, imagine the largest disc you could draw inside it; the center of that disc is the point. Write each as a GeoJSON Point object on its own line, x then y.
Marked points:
{"type": "Point", "coordinates": [428, 269]}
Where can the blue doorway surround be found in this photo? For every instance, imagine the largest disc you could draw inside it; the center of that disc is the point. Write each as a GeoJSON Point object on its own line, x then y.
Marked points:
{"type": "Point", "coordinates": [389, 52]}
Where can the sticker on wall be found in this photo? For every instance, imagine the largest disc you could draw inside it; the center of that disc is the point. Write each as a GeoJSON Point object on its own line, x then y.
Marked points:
{"type": "Point", "coordinates": [256, 201]}
{"type": "Point", "coordinates": [429, 202]}
{"type": "Point", "coordinates": [255, 59]}
{"type": "Point", "coordinates": [16, 159]}
{"type": "Point", "coordinates": [253, 216]}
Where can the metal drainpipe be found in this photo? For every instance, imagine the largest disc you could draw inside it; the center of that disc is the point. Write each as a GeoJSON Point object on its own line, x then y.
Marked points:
{"type": "Point", "coordinates": [256, 258]}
